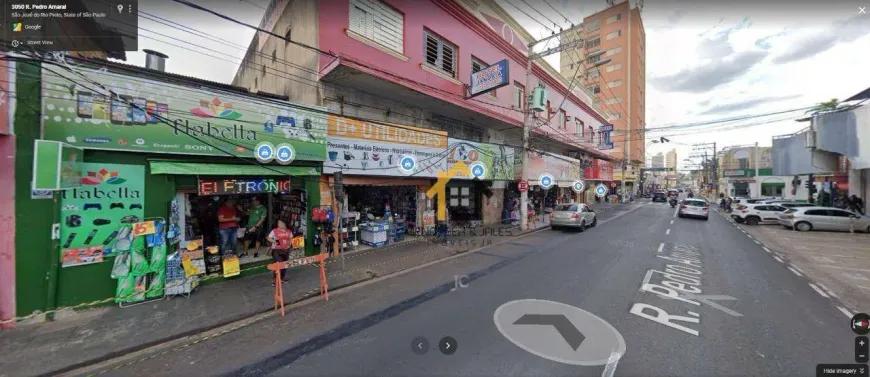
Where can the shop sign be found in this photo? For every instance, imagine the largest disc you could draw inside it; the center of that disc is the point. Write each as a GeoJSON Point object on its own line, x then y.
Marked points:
{"type": "Point", "coordinates": [564, 170]}
{"type": "Point", "coordinates": [735, 173]}
{"type": "Point", "coordinates": [243, 186]}
{"type": "Point", "coordinates": [159, 117]}
{"type": "Point", "coordinates": [112, 196]}
{"type": "Point", "coordinates": [365, 148]}
{"type": "Point", "coordinates": [604, 132]}
{"type": "Point", "coordinates": [7, 101]}
{"type": "Point", "coordinates": [498, 160]}
{"type": "Point", "coordinates": [489, 78]}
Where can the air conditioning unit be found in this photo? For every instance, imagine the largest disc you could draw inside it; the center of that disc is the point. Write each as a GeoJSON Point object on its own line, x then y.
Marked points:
{"type": "Point", "coordinates": [811, 139]}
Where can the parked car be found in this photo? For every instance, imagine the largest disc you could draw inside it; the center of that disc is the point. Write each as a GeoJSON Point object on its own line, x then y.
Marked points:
{"type": "Point", "coordinates": [795, 205]}
{"type": "Point", "coordinates": [573, 215]}
{"type": "Point", "coordinates": [824, 218]}
{"type": "Point", "coordinates": [694, 208]}
{"type": "Point", "coordinates": [660, 196]}
{"type": "Point", "coordinates": [754, 214]}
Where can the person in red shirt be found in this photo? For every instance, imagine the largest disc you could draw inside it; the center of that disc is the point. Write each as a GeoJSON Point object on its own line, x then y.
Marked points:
{"type": "Point", "coordinates": [228, 223]}
{"type": "Point", "coordinates": [281, 238]}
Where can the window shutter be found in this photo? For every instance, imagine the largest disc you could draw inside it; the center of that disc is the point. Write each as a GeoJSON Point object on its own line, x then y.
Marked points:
{"type": "Point", "coordinates": [431, 50]}
{"type": "Point", "coordinates": [378, 22]}
{"type": "Point", "coordinates": [447, 59]}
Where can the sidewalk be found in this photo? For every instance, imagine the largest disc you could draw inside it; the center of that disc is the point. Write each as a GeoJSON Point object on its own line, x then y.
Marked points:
{"type": "Point", "coordinates": [93, 335]}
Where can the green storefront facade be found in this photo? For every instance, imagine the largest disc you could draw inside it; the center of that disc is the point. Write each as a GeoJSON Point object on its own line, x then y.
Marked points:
{"type": "Point", "coordinates": [198, 131]}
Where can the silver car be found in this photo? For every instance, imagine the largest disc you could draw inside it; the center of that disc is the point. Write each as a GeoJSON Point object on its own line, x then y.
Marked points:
{"type": "Point", "coordinates": [824, 218]}
{"type": "Point", "coordinates": [694, 208]}
{"type": "Point", "coordinates": [573, 215]}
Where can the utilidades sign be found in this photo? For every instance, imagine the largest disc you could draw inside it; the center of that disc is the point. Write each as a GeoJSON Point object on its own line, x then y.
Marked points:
{"type": "Point", "coordinates": [490, 78]}
{"type": "Point", "coordinates": [243, 186]}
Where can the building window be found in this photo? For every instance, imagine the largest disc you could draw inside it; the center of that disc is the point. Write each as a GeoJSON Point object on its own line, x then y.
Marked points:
{"type": "Point", "coordinates": [614, 67]}
{"type": "Point", "coordinates": [615, 18]}
{"type": "Point", "coordinates": [593, 59]}
{"type": "Point", "coordinates": [593, 74]}
{"type": "Point", "coordinates": [614, 34]}
{"type": "Point", "coordinates": [590, 133]}
{"type": "Point", "coordinates": [378, 22]}
{"type": "Point", "coordinates": [571, 66]}
{"type": "Point", "coordinates": [580, 127]}
{"type": "Point", "coordinates": [614, 84]}
{"type": "Point", "coordinates": [563, 119]}
{"type": "Point", "coordinates": [611, 101]}
{"type": "Point", "coordinates": [440, 54]}
{"type": "Point", "coordinates": [519, 96]}
{"type": "Point", "coordinates": [595, 89]}
{"type": "Point", "coordinates": [478, 65]}
{"type": "Point", "coordinates": [593, 43]}
{"type": "Point", "coordinates": [614, 51]}
{"type": "Point", "coordinates": [593, 26]}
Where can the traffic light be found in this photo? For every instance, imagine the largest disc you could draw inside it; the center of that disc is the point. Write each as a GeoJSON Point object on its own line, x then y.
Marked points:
{"type": "Point", "coordinates": [812, 188]}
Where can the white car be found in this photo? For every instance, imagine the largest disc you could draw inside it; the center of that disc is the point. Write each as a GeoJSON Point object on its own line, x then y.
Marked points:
{"type": "Point", "coordinates": [694, 208]}
{"type": "Point", "coordinates": [754, 214]}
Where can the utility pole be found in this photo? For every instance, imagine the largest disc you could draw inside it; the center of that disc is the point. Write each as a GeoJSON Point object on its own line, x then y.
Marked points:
{"type": "Point", "coordinates": [626, 142]}
{"type": "Point", "coordinates": [715, 171]}
{"type": "Point", "coordinates": [757, 178]}
{"type": "Point", "coordinates": [527, 117]}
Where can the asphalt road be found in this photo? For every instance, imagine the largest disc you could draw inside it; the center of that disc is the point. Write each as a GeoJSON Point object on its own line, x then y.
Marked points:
{"type": "Point", "coordinates": [773, 323]}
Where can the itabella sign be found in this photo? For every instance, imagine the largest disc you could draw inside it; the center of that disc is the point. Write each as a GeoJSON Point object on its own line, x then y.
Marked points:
{"type": "Point", "coordinates": [489, 78]}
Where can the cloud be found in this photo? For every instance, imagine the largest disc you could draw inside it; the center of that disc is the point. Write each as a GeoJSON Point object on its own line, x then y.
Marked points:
{"type": "Point", "coordinates": [716, 47]}
{"type": "Point", "coordinates": [744, 105]}
{"type": "Point", "coordinates": [711, 75]}
{"type": "Point", "coordinates": [675, 16]}
{"type": "Point", "coordinates": [814, 44]}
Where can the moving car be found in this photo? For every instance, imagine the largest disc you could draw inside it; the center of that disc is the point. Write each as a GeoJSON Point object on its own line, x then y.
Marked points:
{"type": "Point", "coordinates": [573, 215]}
{"type": "Point", "coordinates": [754, 214]}
{"type": "Point", "coordinates": [660, 196]}
{"type": "Point", "coordinates": [824, 218]}
{"type": "Point", "coordinates": [694, 208]}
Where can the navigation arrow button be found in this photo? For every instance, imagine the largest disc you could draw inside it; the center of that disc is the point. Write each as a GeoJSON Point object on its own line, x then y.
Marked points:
{"type": "Point", "coordinates": [447, 345]}
{"type": "Point", "coordinates": [420, 345]}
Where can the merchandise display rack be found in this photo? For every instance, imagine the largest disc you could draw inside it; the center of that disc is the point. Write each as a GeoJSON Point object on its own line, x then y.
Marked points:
{"type": "Point", "coordinates": [350, 230]}
{"type": "Point", "coordinates": [153, 277]}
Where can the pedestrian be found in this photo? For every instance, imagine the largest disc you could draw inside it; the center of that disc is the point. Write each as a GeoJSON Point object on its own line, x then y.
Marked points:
{"type": "Point", "coordinates": [256, 231]}
{"type": "Point", "coordinates": [281, 238]}
{"type": "Point", "coordinates": [857, 204]}
{"type": "Point", "coordinates": [228, 223]}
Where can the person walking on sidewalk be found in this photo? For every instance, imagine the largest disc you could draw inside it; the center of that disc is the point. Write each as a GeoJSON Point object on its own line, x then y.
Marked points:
{"type": "Point", "coordinates": [228, 223]}
{"type": "Point", "coordinates": [255, 233]}
{"type": "Point", "coordinates": [856, 204]}
{"type": "Point", "coordinates": [281, 238]}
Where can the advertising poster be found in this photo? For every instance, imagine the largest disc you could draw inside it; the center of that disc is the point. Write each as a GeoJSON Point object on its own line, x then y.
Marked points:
{"type": "Point", "coordinates": [498, 160]}
{"type": "Point", "coordinates": [158, 117]}
{"type": "Point", "coordinates": [365, 148]}
{"type": "Point", "coordinates": [110, 197]}
{"type": "Point", "coordinates": [565, 170]}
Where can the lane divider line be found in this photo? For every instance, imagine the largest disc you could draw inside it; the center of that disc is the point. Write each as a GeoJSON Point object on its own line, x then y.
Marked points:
{"type": "Point", "coordinates": [798, 268]}
{"type": "Point", "coordinates": [845, 311]}
{"type": "Point", "coordinates": [765, 249]}
{"type": "Point", "coordinates": [756, 241]}
{"type": "Point", "coordinates": [828, 291]}
{"type": "Point", "coordinates": [661, 247]}
{"type": "Point", "coordinates": [672, 221]}
{"type": "Point", "coordinates": [819, 290]}
{"type": "Point", "coordinates": [778, 259]}
{"type": "Point", "coordinates": [790, 268]}
{"type": "Point", "coordinates": [668, 231]}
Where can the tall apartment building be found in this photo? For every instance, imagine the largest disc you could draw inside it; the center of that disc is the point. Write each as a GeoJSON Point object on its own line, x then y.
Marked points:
{"type": "Point", "coordinates": [658, 161]}
{"type": "Point", "coordinates": [671, 161]}
{"type": "Point", "coordinates": [620, 85]}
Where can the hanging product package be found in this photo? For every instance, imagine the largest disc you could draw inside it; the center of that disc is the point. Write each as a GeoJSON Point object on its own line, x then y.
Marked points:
{"type": "Point", "coordinates": [139, 288]}
{"type": "Point", "coordinates": [156, 285]}
{"type": "Point", "coordinates": [158, 237]}
{"type": "Point", "coordinates": [158, 258]}
{"type": "Point", "coordinates": [139, 263]}
{"type": "Point", "coordinates": [121, 268]}
{"type": "Point", "coordinates": [123, 239]}
{"type": "Point", "coordinates": [126, 289]}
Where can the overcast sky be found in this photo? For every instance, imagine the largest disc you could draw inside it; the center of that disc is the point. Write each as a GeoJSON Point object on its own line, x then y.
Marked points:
{"type": "Point", "coordinates": [706, 60]}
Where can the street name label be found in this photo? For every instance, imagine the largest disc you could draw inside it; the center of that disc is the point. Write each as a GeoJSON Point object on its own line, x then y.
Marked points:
{"type": "Point", "coordinates": [680, 280]}
{"type": "Point", "coordinates": [559, 332]}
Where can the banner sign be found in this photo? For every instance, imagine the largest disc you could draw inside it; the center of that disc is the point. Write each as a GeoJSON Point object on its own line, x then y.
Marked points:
{"type": "Point", "coordinates": [564, 170]}
{"type": "Point", "coordinates": [159, 117]}
{"type": "Point", "coordinates": [243, 186]}
{"type": "Point", "coordinates": [604, 142]}
{"type": "Point", "coordinates": [497, 160]}
{"type": "Point", "coordinates": [111, 197]}
{"type": "Point", "coordinates": [490, 78]}
{"type": "Point", "coordinates": [56, 166]}
{"type": "Point", "coordinates": [364, 148]}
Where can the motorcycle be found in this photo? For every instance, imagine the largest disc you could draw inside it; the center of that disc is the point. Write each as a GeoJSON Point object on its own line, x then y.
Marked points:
{"type": "Point", "coordinates": [673, 202]}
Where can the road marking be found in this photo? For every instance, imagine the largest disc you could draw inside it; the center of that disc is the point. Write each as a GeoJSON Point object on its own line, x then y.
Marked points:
{"type": "Point", "coordinates": [610, 367]}
{"type": "Point", "coordinates": [676, 209]}
{"type": "Point", "coordinates": [798, 269]}
{"type": "Point", "coordinates": [667, 232]}
{"type": "Point", "coordinates": [756, 241]}
{"type": "Point", "coordinates": [672, 221]}
{"type": "Point", "coordinates": [795, 271]}
{"type": "Point", "coordinates": [778, 259]}
{"type": "Point", "coordinates": [661, 247]}
{"type": "Point", "coordinates": [819, 291]}
{"type": "Point", "coordinates": [845, 311]}
{"type": "Point", "coordinates": [765, 249]}
{"type": "Point", "coordinates": [828, 291]}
